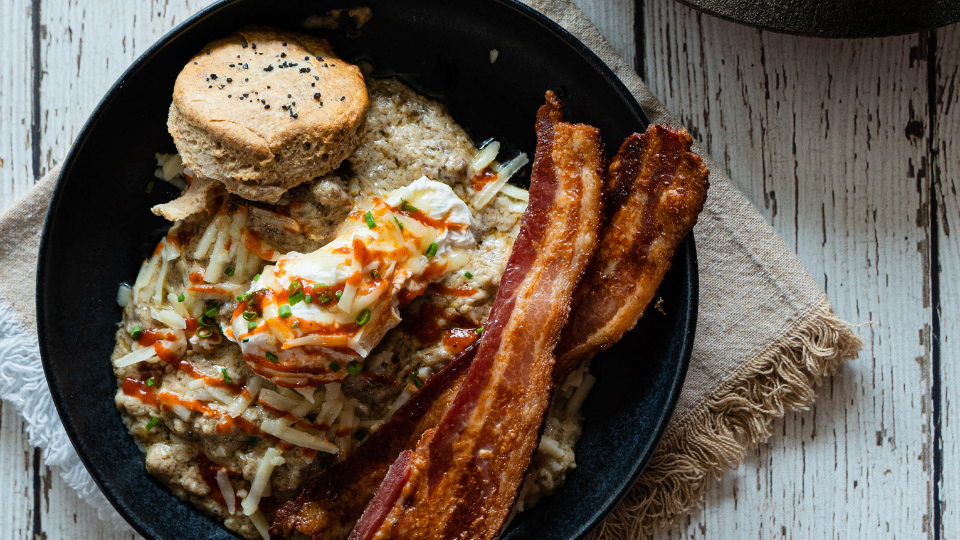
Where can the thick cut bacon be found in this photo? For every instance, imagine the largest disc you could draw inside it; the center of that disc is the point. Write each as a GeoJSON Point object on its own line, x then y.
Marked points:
{"type": "Point", "coordinates": [656, 187]}
{"type": "Point", "coordinates": [330, 503]}
{"type": "Point", "coordinates": [464, 476]}
{"type": "Point", "coordinates": [346, 493]}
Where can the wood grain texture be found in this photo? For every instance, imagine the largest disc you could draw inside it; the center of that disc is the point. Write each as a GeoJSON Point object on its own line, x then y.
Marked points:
{"type": "Point", "coordinates": [819, 135]}
{"type": "Point", "coordinates": [944, 169]}
{"type": "Point", "coordinates": [835, 142]}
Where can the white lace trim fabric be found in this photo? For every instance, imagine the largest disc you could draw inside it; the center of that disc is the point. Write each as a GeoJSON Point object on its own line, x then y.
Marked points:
{"type": "Point", "coordinates": [22, 384]}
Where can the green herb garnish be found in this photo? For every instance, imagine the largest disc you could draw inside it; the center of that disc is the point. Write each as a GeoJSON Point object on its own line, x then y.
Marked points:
{"type": "Point", "coordinates": [432, 250]}
{"type": "Point", "coordinates": [136, 332]}
{"type": "Point", "coordinates": [334, 366]}
{"type": "Point", "coordinates": [363, 317]}
{"type": "Point", "coordinates": [271, 357]}
{"type": "Point", "coordinates": [181, 298]}
{"type": "Point", "coordinates": [226, 376]}
{"type": "Point", "coordinates": [153, 421]}
{"type": "Point", "coordinates": [370, 222]}
{"type": "Point", "coordinates": [354, 367]}
{"type": "Point", "coordinates": [284, 311]}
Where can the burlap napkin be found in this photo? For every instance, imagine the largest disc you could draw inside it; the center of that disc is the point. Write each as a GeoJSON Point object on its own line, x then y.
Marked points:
{"type": "Point", "coordinates": [766, 334]}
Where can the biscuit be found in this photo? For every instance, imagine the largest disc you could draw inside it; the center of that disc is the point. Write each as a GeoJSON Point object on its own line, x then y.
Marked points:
{"type": "Point", "coordinates": [264, 110]}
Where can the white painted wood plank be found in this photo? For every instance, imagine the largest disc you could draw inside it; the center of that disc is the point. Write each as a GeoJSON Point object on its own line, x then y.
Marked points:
{"type": "Point", "coordinates": [813, 132]}
{"type": "Point", "coordinates": [16, 176]}
{"type": "Point", "coordinates": [616, 21]}
{"type": "Point", "coordinates": [16, 171]}
{"type": "Point", "coordinates": [945, 168]}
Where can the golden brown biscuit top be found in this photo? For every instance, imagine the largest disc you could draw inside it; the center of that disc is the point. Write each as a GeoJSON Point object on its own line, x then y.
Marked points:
{"type": "Point", "coordinates": [261, 87]}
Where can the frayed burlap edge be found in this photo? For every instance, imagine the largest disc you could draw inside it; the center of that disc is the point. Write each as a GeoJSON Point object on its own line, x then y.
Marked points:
{"type": "Point", "coordinates": [739, 415]}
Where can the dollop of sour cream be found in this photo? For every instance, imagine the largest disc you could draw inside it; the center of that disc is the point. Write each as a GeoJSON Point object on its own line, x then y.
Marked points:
{"type": "Point", "coordinates": [311, 318]}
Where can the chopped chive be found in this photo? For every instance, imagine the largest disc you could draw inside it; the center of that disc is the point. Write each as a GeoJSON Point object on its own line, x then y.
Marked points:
{"type": "Point", "coordinates": [181, 298]}
{"type": "Point", "coordinates": [480, 330]}
{"type": "Point", "coordinates": [398, 222]}
{"type": "Point", "coordinates": [204, 332]}
{"type": "Point", "coordinates": [251, 325]}
{"type": "Point", "coordinates": [226, 376]}
{"type": "Point", "coordinates": [339, 294]}
{"type": "Point", "coordinates": [468, 275]}
{"type": "Point", "coordinates": [204, 321]}
{"type": "Point", "coordinates": [308, 298]}
{"type": "Point", "coordinates": [354, 367]}
{"type": "Point", "coordinates": [360, 434]}
{"type": "Point", "coordinates": [249, 315]}
{"type": "Point", "coordinates": [363, 317]}
{"type": "Point", "coordinates": [153, 422]}
{"type": "Point", "coordinates": [252, 441]}
{"type": "Point", "coordinates": [407, 207]}
{"type": "Point", "coordinates": [242, 297]}
{"type": "Point", "coordinates": [284, 311]}
{"type": "Point", "coordinates": [271, 357]}
{"type": "Point", "coordinates": [246, 339]}
{"type": "Point", "coordinates": [432, 250]}
{"type": "Point", "coordinates": [296, 298]}
{"type": "Point", "coordinates": [294, 286]}
{"type": "Point", "coordinates": [136, 332]}
{"type": "Point", "coordinates": [374, 274]}
{"type": "Point", "coordinates": [229, 271]}
{"type": "Point", "coordinates": [256, 277]}
{"type": "Point", "coordinates": [296, 324]}
{"type": "Point", "coordinates": [150, 185]}
{"type": "Point", "coordinates": [334, 366]}
{"type": "Point", "coordinates": [318, 286]}
{"type": "Point", "coordinates": [213, 310]}
{"type": "Point", "coordinates": [324, 299]}
{"type": "Point", "coordinates": [370, 222]}
{"type": "Point", "coordinates": [150, 382]}
{"type": "Point", "coordinates": [417, 381]}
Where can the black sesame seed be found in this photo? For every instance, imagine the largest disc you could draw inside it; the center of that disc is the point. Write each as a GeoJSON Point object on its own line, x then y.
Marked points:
{"type": "Point", "coordinates": [295, 115]}
{"type": "Point", "coordinates": [294, 103]}
{"type": "Point", "coordinates": [245, 94]}
{"type": "Point", "coordinates": [268, 68]}
{"type": "Point", "coordinates": [304, 70]}
{"type": "Point", "coordinates": [244, 45]}
{"type": "Point", "coordinates": [343, 98]}
{"type": "Point", "coordinates": [245, 66]}
{"type": "Point", "coordinates": [233, 65]}
{"type": "Point", "coordinates": [248, 80]}
{"type": "Point", "coordinates": [283, 55]}
{"type": "Point", "coordinates": [229, 80]}
{"type": "Point", "coordinates": [317, 95]}
{"type": "Point", "coordinates": [319, 59]}
{"type": "Point", "coordinates": [313, 84]}
{"type": "Point", "coordinates": [208, 51]}
{"type": "Point", "coordinates": [306, 57]}
{"type": "Point", "coordinates": [289, 96]}
{"type": "Point", "coordinates": [196, 64]}
{"type": "Point", "coordinates": [316, 77]}
{"type": "Point", "coordinates": [266, 106]}
{"type": "Point", "coordinates": [284, 43]}
{"type": "Point", "coordinates": [229, 95]}
{"type": "Point", "coordinates": [254, 46]}
{"type": "Point", "coordinates": [211, 86]}
{"type": "Point", "coordinates": [213, 76]}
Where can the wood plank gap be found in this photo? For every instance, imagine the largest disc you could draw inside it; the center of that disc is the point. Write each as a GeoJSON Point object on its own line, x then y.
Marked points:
{"type": "Point", "coordinates": [37, 522]}
{"type": "Point", "coordinates": [640, 65]}
{"type": "Point", "coordinates": [935, 387]}
{"type": "Point", "coordinates": [37, 71]}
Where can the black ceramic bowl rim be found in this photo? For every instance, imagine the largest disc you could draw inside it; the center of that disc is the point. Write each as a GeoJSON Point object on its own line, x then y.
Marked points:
{"type": "Point", "coordinates": [687, 249]}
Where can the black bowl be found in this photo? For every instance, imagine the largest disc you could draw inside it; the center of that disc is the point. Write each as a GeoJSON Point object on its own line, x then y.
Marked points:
{"type": "Point", "coordinates": [99, 228]}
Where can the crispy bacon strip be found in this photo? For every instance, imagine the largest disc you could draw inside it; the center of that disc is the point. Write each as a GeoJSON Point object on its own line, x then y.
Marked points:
{"type": "Point", "coordinates": [464, 476]}
{"type": "Point", "coordinates": [656, 187]}
{"type": "Point", "coordinates": [330, 503]}
{"type": "Point", "coordinates": [662, 154]}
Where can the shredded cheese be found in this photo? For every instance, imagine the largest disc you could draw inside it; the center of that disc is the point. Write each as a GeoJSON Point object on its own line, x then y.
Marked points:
{"type": "Point", "coordinates": [226, 488]}
{"type": "Point", "coordinates": [576, 400]}
{"type": "Point", "coordinates": [281, 429]}
{"type": "Point", "coordinates": [143, 354]}
{"type": "Point", "coordinates": [260, 522]}
{"type": "Point", "coordinates": [271, 459]}
{"type": "Point", "coordinates": [503, 175]}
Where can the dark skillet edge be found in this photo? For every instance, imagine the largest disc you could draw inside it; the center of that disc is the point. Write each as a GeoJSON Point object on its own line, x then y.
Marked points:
{"type": "Point", "coordinates": [584, 51]}
{"type": "Point", "coordinates": [805, 29]}
{"type": "Point", "coordinates": [692, 282]}
{"type": "Point", "coordinates": [69, 163]}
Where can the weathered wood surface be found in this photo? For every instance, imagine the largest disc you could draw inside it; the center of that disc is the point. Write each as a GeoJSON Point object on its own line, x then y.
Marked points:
{"type": "Point", "coordinates": [840, 144]}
